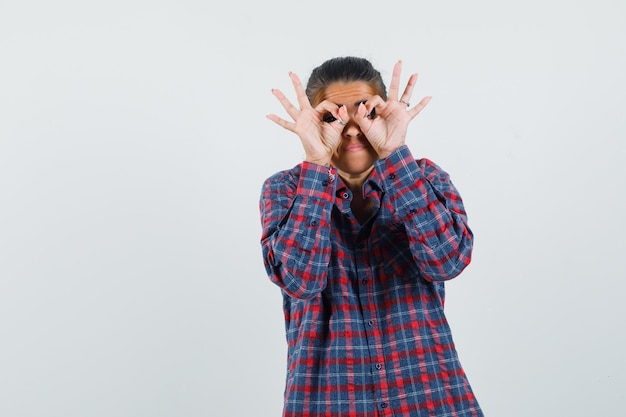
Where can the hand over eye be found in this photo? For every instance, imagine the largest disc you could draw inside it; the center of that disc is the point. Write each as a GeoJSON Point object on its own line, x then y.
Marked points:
{"type": "Point", "coordinates": [385, 122]}
{"type": "Point", "coordinates": [319, 128]}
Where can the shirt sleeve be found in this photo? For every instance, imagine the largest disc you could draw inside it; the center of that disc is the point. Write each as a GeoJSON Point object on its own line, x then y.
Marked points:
{"type": "Point", "coordinates": [427, 204]}
{"type": "Point", "coordinates": [295, 214]}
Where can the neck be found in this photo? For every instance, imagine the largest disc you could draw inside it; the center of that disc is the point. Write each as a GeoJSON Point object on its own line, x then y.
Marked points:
{"type": "Point", "coordinates": [355, 181]}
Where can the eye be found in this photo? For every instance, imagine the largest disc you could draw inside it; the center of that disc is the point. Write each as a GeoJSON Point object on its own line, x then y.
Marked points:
{"type": "Point", "coordinates": [328, 118]}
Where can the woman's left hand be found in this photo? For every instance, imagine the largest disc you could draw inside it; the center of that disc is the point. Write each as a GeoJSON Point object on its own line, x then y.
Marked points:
{"type": "Point", "coordinates": [385, 123]}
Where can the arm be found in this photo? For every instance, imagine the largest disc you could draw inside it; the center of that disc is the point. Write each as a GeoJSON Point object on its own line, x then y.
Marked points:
{"type": "Point", "coordinates": [295, 215]}
{"type": "Point", "coordinates": [296, 205]}
{"type": "Point", "coordinates": [425, 201]}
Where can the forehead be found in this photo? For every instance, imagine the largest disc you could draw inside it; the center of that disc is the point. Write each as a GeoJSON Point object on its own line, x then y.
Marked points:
{"type": "Point", "coordinates": [348, 93]}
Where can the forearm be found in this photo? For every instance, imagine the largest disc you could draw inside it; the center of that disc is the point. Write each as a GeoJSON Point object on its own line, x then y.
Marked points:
{"type": "Point", "coordinates": [430, 208]}
{"type": "Point", "coordinates": [295, 215]}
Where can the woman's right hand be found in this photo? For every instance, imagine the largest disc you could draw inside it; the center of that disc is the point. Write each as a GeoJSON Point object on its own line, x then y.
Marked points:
{"type": "Point", "coordinates": [319, 133]}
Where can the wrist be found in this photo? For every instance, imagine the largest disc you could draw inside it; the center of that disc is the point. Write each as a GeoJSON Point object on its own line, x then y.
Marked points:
{"type": "Point", "coordinates": [323, 162]}
{"type": "Point", "coordinates": [384, 153]}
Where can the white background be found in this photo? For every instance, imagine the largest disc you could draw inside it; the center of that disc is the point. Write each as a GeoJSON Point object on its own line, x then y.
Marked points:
{"type": "Point", "coordinates": [133, 145]}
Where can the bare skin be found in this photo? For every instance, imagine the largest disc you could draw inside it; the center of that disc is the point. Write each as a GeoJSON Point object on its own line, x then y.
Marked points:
{"type": "Point", "coordinates": [354, 140]}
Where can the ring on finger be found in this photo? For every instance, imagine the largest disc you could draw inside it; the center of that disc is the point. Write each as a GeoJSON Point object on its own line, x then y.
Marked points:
{"type": "Point", "coordinates": [405, 102]}
{"type": "Point", "coordinates": [341, 122]}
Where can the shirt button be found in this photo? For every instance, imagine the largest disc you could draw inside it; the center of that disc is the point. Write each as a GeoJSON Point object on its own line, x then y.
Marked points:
{"type": "Point", "coordinates": [392, 176]}
{"type": "Point", "coordinates": [345, 195]}
{"type": "Point", "coordinates": [379, 366]}
{"type": "Point", "coordinates": [313, 223]}
{"type": "Point", "coordinates": [371, 323]}
{"type": "Point", "coordinates": [364, 281]}
{"type": "Point", "coordinates": [384, 405]}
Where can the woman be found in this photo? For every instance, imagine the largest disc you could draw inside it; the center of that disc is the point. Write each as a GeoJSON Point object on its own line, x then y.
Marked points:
{"type": "Point", "coordinates": [360, 237]}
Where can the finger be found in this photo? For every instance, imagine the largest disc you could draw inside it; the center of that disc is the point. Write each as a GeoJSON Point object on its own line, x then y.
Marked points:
{"type": "Point", "coordinates": [418, 108]}
{"type": "Point", "coordinates": [282, 123]}
{"type": "Point", "coordinates": [303, 100]}
{"type": "Point", "coordinates": [372, 104]}
{"type": "Point", "coordinates": [394, 86]}
{"type": "Point", "coordinates": [343, 113]}
{"type": "Point", "coordinates": [284, 101]}
{"type": "Point", "coordinates": [338, 112]}
{"type": "Point", "coordinates": [361, 117]}
{"type": "Point", "coordinates": [408, 91]}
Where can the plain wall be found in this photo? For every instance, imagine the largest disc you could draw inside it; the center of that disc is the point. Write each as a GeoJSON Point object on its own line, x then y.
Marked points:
{"type": "Point", "coordinates": [133, 146]}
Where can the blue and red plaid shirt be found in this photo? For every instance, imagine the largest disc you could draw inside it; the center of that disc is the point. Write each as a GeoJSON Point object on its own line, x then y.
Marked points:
{"type": "Point", "coordinates": [363, 303]}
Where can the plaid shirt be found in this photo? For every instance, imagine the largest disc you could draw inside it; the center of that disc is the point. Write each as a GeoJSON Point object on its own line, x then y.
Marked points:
{"type": "Point", "coordinates": [363, 304]}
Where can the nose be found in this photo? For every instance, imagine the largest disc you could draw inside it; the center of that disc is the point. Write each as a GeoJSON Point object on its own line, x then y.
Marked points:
{"type": "Point", "coordinates": [352, 129]}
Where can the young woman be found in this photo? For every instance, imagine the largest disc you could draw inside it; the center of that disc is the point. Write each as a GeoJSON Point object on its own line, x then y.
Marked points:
{"type": "Point", "coordinates": [360, 238]}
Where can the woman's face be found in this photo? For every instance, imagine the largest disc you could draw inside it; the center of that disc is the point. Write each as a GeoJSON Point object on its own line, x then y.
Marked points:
{"type": "Point", "coordinates": [355, 156]}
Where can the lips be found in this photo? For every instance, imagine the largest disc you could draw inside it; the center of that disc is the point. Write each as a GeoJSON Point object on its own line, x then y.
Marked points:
{"type": "Point", "coordinates": [355, 147]}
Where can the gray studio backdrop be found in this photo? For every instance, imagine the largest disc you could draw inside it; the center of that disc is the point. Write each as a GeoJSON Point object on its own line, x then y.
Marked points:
{"type": "Point", "coordinates": [133, 145]}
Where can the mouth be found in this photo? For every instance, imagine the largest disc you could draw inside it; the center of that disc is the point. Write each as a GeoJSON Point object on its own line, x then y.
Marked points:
{"type": "Point", "coordinates": [355, 147]}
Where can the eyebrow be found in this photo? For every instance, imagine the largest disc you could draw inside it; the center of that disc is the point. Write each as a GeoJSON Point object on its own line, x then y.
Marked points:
{"type": "Point", "coordinates": [356, 104]}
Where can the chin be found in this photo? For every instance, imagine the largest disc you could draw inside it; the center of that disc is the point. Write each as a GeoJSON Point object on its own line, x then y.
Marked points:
{"type": "Point", "coordinates": [355, 168]}
{"type": "Point", "coordinates": [355, 164]}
